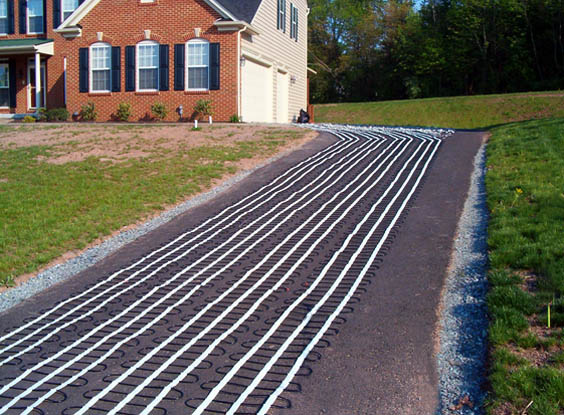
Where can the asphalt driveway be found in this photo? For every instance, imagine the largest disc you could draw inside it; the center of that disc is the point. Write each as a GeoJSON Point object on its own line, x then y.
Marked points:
{"type": "Point", "coordinates": [310, 287]}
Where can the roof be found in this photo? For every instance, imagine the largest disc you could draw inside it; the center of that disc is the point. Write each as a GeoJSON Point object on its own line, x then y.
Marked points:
{"type": "Point", "coordinates": [23, 42]}
{"type": "Point", "coordinates": [243, 9]}
{"type": "Point", "coordinates": [26, 46]}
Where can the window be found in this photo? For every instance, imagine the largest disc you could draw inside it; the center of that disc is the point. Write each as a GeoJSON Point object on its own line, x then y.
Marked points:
{"type": "Point", "coordinates": [68, 7]}
{"type": "Point", "coordinates": [101, 63]}
{"type": "Point", "coordinates": [147, 66]}
{"type": "Point", "coordinates": [198, 62]}
{"type": "Point", "coordinates": [281, 23]}
{"type": "Point", "coordinates": [4, 85]}
{"type": "Point", "coordinates": [3, 17]}
{"type": "Point", "coordinates": [35, 16]}
{"type": "Point", "coordinates": [293, 22]}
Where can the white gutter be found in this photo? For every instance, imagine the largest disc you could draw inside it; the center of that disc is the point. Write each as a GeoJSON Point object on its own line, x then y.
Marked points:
{"type": "Point", "coordinates": [241, 26]}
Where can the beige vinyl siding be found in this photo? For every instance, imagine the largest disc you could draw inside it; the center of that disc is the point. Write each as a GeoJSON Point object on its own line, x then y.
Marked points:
{"type": "Point", "coordinates": [284, 53]}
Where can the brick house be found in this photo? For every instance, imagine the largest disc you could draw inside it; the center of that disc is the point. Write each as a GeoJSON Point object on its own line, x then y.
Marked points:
{"type": "Point", "coordinates": [248, 57]}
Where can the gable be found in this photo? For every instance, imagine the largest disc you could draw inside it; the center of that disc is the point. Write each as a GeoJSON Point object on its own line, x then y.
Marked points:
{"type": "Point", "coordinates": [229, 9]}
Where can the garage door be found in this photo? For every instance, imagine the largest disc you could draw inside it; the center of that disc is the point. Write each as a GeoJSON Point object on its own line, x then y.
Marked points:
{"type": "Point", "coordinates": [282, 97]}
{"type": "Point", "coordinates": [257, 105]}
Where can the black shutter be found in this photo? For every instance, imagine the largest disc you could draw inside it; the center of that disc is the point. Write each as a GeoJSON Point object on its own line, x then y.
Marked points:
{"type": "Point", "coordinates": [13, 82]}
{"type": "Point", "coordinates": [179, 59]}
{"type": "Point", "coordinates": [56, 13]}
{"type": "Point", "coordinates": [116, 69]}
{"type": "Point", "coordinates": [23, 16]}
{"type": "Point", "coordinates": [278, 22]}
{"type": "Point", "coordinates": [296, 30]}
{"type": "Point", "coordinates": [83, 83]}
{"type": "Point", "coordinates": [80, 2]}
{"type": "Point", "coordinates": [163, 68]}
{"type": "Point", "coordinates": [130, 68]}
{"type": "Point", "coordinates": [291, 20]}
{"type": "Point", "coordinates": [284, 16]}
{"type": "Point", "coordinates": [11, 23]}
{"type": "Point", "coordinates": [214, 66]}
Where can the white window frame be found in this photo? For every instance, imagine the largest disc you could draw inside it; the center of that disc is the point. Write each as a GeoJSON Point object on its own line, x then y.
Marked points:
{"type": "Point", "coordinates": [138, 68]}
{"type": "Point", "coordinates": [42, 15]}
{"type": "Point", "coordinates": [91, 67]}
{"type": "Point", "coordinates": [63, 10]}
{"type": "Point", "coordinates": [187, 66]}
{"type": "Point", "coordinates": [4, 15]}
{"type": "Point", "coordinates": [8, 83]}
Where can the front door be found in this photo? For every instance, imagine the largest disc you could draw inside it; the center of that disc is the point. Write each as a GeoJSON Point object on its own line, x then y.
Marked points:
{"type": "Point", "coordinates": [31, 86]}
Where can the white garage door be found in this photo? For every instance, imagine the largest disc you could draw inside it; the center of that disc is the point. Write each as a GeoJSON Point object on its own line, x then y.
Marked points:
{"type": "Point", "coordinates": [257, 105]}
{"type": "Point", "coordinates": [282, 97]}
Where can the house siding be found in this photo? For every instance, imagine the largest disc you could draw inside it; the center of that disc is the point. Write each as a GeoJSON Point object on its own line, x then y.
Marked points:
{"type": "Point", "coordinates": [276, 47]}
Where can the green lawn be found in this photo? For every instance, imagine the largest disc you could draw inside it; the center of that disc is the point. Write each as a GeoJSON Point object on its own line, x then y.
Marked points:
{"type": "Point", "coordinates": [456, 112]}
{"type": "Point", "coordinates": [525, 193]}
{"type": "Point", "coordinates": [48, 209]}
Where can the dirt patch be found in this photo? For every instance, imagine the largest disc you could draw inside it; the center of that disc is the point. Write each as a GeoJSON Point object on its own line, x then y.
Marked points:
{"type": "Point", "coordinates": [118, 142]}
{"type": "Point", "coordinates": [537, 357]}
{"type": "Point", "coordinates": [530, 281]}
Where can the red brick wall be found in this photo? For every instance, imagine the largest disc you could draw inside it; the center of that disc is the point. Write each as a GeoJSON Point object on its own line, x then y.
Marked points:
{"type": "Point", "coordinates": [122, 23]}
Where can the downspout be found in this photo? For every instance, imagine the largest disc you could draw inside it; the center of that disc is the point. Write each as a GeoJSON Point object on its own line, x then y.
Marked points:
{"type": "Point", "coordinates": [239, 86]}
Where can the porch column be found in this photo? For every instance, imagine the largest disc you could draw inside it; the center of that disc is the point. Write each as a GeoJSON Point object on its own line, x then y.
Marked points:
{"type": "Point", "coordinates": [38, 85]}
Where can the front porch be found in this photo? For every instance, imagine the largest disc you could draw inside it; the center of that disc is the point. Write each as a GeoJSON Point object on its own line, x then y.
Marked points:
{"type": "Point", "coordinates": [23, 75]}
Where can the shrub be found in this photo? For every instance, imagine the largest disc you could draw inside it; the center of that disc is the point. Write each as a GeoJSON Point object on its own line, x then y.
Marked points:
{"type": "Point", "coordinates": [159, 110]}
{"type": "Point", "coordinates": [124, 111]}
{"type": "Point", "coordinates": [88, 112]}
{"type": "Point", "coordinates": [57, 114]}
{"type": "Point", "coordinates": [41, 114]}
{"type": "Point", "coordinates": [234, 118]}
{"type": "Point", "coordinates": [28, 119]}
{"type": "Point", "coordinates": [203, 108]}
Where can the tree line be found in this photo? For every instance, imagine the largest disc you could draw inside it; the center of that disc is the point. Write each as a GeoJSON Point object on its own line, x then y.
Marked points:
{"type": "Point", "coordinates": [367, 50]}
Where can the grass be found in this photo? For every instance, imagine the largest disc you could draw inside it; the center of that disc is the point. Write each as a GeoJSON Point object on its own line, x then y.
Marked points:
{"type": "Point", "coordinates": [48, 209]}
{"type": "Point", "coordinates": [457, 112]}
{"type": "Point", "coordinates": [525, 187]}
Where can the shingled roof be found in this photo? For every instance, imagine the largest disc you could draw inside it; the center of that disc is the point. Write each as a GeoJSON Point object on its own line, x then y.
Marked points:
{"type": "Point", "coordinates": [242, 9]}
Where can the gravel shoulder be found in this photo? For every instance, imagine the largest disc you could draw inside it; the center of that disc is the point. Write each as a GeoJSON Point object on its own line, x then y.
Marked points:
{"type": "Point", "coordinates": [464, 321]}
